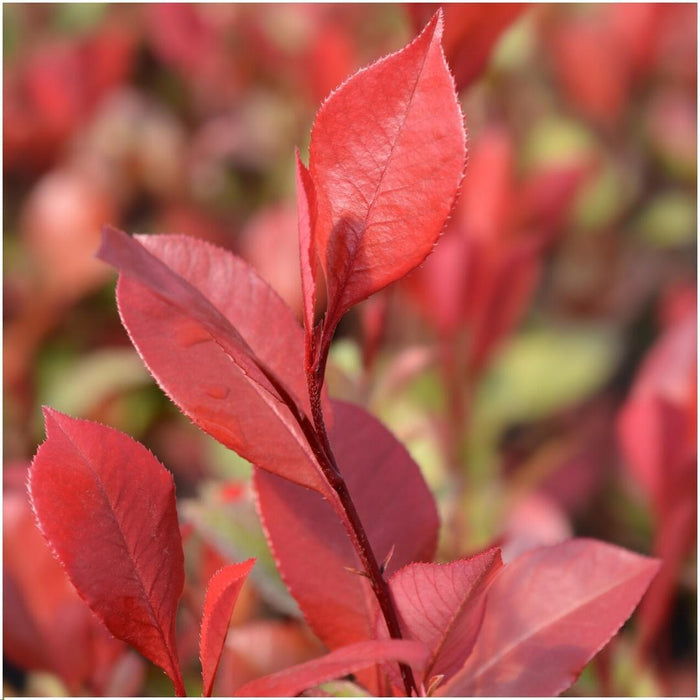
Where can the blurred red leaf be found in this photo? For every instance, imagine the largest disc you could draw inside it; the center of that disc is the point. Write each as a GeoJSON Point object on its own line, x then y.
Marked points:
{"type": "Point", "coordinates": [188, 306]}
{"type": "Point", "coordinates": [471, 33]}
{"type": "Point", "coordinates": [220, 600]}
{"type": "Point", "coordinates": [311, 546]}
{"type": "Point", "coordinates": [385, 172]}
{"type": "Point", "coordinates": [52, 89]}
{"type": "Point", "coordinates": [340, 662]}
{"type": "Point", "coordinates": [442, 606]}
{"type": "Point", "coordinates": [46, 626]}
{"type": "Point", "coordinates": [484, 272]}
{"type": "Point", "coordinates": [548, 613]}
{"type": "Point", "coordinates": [657, 429]}
{"type": "Point", "coordinates": [107, 508]}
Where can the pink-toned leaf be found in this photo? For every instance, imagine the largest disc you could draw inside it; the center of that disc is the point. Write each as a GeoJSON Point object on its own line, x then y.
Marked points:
{"type": "Point", "coordinates": [547, 614]}
{"type": "Point", "coordinates": [442, 606]}
{"type": "Point", "coordinates": [386, 157]}
{"type": "Point", "coordinates": [340, 662]}
{"type": "Point", "coordinates": [221, 344]}
{"type": "Point", "coordinates": [312, 548]}
{"type": "Point", "coordinates": [221, 597]}
{"type": "Point", "coordinates": [107, 508]}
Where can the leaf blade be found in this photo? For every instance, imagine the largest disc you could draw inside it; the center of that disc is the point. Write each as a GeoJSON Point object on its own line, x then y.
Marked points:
{"type": "Point", "coordinates": [186, 305]}
{"type": "Point", "coordinates": [114, 530]}
{"type": "Point", "coordinates": [221, 596]}
{"type": "Point", "coordinates": [548, 613]}
{"type": "Point", "coordinates": [385, 169]}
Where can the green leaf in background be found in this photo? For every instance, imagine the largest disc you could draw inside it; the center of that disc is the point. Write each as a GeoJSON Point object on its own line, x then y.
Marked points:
{"type": "Point", "coordinates": [669, 220]}
{"type": "Point", "coordinates": [545, 369]}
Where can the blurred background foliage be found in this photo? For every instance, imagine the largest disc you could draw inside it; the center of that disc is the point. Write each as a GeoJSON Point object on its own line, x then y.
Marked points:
{"type": "Point", "coordinates": [504, 363]}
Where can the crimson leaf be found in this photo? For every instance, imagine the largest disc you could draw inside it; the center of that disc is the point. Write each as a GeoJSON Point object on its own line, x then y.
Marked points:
{"type": "Point", "coordinates": [548, 613]}
{"type": "Point", "coordinates": [222, 594]}
{"type": "Point", "coordinates": [386, 158]}
{"type": "Point", "coordinates": [107, 508]}
{"type": "Point", "coordinates": [188, 306]}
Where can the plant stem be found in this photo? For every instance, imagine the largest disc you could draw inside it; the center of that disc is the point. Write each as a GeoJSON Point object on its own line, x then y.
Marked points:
{"type": "Point", "coordinates": [354, 526]}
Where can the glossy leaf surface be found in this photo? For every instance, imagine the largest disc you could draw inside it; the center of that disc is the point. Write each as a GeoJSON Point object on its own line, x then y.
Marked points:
{"type": "Point", "coordinates": [442, 605]}
{"type": "Point", "coordinates": [340, 662]}
{"type": "Point", "coordinates": [221, 597]}
{"type": "Point", "coordinates": [386, 158]}
{"type": "Point", "coordinates": [107, 508]}
{"type": "Point", "coordinates": [547, 614]}
{"type": "Point", "coordinates": [205, 324]}
{"type": "Point", "coordinates": [312, 548]}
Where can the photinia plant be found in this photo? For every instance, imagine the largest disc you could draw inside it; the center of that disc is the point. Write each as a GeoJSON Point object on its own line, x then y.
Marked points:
{"type": "Point", "coordinates": [346, 512]}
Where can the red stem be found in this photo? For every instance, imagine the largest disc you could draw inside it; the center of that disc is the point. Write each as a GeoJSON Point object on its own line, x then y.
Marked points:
{"type": "Point", "coordinates": [354, 527]}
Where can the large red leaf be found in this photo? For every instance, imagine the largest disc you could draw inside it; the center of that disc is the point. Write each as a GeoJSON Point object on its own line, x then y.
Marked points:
{"type": "Point", "coordinates": [547, 614]}
{"type": "Point", "coordinates": [386, 157]}
{"type": "Point", "coordinates": [340, 662]}
{"type": "Point", "coordinates": [311, 546]}
{"type": "Point", "coordinates": [217, 337]}
{"type": "Point", "coordinates": [442, 605]}
{"type": "Point", "coordinates": [107, 508]}
{"type": "Point", "coordinates": [221, 597]}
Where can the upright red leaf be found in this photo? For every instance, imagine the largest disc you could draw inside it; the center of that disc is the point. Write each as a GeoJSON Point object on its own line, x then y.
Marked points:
{"type": "Point", "coordinates": [306, 201]}
{"type": "Point", "coordinates": [386, 157]}
{"type": "Point", "coordinates": [107, 508]}
{"type": "Point", "coordinates": [442, 605]}
{"type": "Point", "coordinates": [311, 546]}
{"type": "Point", "coordinates": [221, 597]}
{"type": "Point", "coordinates": [340, 662]}
{"type": "Point", "coordinates": [221, 344]}
{"type": "Point", "coordinates": [547, 614]}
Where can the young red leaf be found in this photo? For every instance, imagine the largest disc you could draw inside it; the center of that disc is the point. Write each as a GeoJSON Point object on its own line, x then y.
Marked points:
{"type": "Point", "coordinates": [313, 551]}
{"type": "Point", "coordinates": [386, 157]}
{"type": "Point", "coordinates": [442, 605]}
{"type": "Point", "coordinates": [188, 306]}
{"type": "Point", "coordinates": [547, 614]}
{"type": "Point", "coordinates": [221, 597]}
{"type": "Point", "coordinates": [107, 508]}
{"type": "Point", "coordinates": [306, 202]}
{"type": "Point", "coordinates": [340, 662]}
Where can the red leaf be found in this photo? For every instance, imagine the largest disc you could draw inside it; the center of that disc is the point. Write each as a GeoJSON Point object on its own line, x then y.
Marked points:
{"type": "Point", "coordinates": [222, 594]}
{"type": "Point", "coordinates": [442, 605]}
{"type": "Point", "coordinates": [386, 157]}
{"type": "Point", "coordinates": [306, 202]}
{"type": "Point", "coordinates": [311, 546]}
{"type": "Point", "coordinates": [340, 662]}
{"type": "Point", "coordinates": [188, 306]}
{"type": "Point", "coordinates": [107, 508]}
{"type": "Point", "coordinates": [548, 613]}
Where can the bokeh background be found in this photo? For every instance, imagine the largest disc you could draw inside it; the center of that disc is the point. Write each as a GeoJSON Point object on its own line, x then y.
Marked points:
{"type": "Point", "coordinates": [540, 367]}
